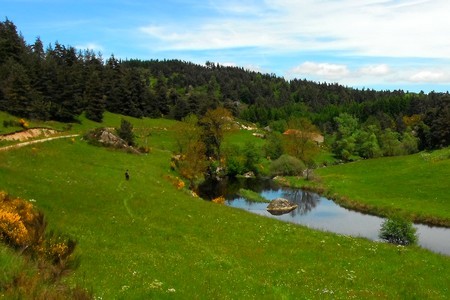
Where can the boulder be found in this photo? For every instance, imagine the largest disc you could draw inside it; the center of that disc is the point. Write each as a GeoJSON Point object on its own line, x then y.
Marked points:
{"type": "Point", "coordinates": [249, 175]}
{"type": "Point", "coordinates": [281, 206]}
{"type": "Point", "coordinates": [106, 137]}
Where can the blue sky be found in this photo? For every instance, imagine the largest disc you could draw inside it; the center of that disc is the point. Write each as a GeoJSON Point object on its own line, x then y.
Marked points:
{"type": "Point", "coordinates": [380, 44]}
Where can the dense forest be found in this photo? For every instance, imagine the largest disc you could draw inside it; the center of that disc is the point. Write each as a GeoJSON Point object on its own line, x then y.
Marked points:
{"type": "Point", "coordinates": [60, 82]}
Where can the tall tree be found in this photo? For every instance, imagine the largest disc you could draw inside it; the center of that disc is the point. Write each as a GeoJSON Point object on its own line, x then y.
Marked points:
{"type": "Point", "coordinates": [300, 139]}
{"type": "Point", "coordinates": [215, 124]}
{"type": "Point", "coordinates": [94, 98]}
{"type": "Point", "coordinates": [12, 45]}
{"type": "Point", "coordinates": [192, 162]}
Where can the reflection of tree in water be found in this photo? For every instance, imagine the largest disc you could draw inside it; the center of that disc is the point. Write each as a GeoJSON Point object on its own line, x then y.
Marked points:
{"type": "Point", "coordinates": [306, 201]}
{"type": "Point", "coordinates": [229, 187]}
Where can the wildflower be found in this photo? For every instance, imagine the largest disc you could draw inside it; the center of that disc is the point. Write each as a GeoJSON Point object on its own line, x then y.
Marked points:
{"type": "Point", "coordinates": [219, 200]}
{"type": "Point", "coordinates": [156, 284]}
{"type": "Point", "coordinates": [24, 123]}
{"type": "Point", "coordinates": [180, 184]}
{"type": "Point", "coordinates": [125, 287]}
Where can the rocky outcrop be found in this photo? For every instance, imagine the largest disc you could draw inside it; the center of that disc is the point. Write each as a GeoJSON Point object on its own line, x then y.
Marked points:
{"type": "Point", "coordinates": [106, 137]}
{"type": "Point", "coordinates": [281, 206]}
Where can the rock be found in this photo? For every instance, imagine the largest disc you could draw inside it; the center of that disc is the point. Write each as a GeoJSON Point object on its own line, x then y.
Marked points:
{"type": "Point", "coordinates": [106, 137]}
{"type": "Point", "coordinates": [249, 175]}
{"type": "Point", "coordinates": [281, 206]}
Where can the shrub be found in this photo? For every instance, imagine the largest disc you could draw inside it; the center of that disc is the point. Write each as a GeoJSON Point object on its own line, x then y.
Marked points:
{"type": "Point", "coordinates": [10, 123]}
{"type": "Point", "coordinates": [287, 165]}
{"type": "Point", "coordinates": [219, 200]}
{"type": "Point", "coordinates": [22, 228]}
{"type": "Point", "coordinates": [273, 147]}
{"type": "Point", "coordinates": [20, 224]}
{"type": "Point", "coordinates": [398, 231]}
{"type": "Point", "coordinates": [125, 132]}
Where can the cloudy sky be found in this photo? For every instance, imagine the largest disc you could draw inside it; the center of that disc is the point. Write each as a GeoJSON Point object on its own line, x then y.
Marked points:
{"type": "Point", "coordinates": [380, 44]}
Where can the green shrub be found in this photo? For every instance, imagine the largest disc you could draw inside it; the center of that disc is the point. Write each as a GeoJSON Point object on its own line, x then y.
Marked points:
{"type": "Point", "coordinates": [125, 132]}
{"type": "Point", "coordinates": [398, 231]}
{"type": "Point", "coordinates": [287, 165]}
{"type": "Point", "coordinates": [235, 165]}
{"type": "Point", "coordinates": [273, 147]}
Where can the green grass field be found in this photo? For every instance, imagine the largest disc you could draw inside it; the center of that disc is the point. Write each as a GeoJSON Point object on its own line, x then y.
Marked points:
{"type": "Point", "coordinates": [144, 238]}
{"type": "Point", "coordinates": [416, 186]}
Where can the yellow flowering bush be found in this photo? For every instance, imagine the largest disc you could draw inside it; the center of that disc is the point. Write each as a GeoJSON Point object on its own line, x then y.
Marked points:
{"type": "Point", "coordinates": [176, 181]}
{"type": "Point", "coordinates": [57, 248]}
{"type": "Point", "coordinates": [180, 184]}
{"type": "Point", "coordinates": [22, 227]}
{"type": "Point", "coordinates": [24, 123]}
{"type": "Point", "coordinates": [18, 220]}
{"type": "Point", "coordinates": [219, 200]}
{"type": "Point", "coordinates": [12, 230]}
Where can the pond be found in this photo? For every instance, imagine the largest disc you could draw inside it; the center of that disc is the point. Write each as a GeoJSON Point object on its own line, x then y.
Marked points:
{"type": "Point", "coordinates": [316, 212]}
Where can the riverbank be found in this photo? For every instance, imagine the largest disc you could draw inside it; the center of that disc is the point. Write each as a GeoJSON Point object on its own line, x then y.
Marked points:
{"type": "Point", "coordinates": [414, 186]}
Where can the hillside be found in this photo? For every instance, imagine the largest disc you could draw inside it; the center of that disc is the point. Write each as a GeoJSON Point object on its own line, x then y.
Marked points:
{"type": "Point", "coordinates": [62, 83]}
{"type": "Point", "coordinates": [149, 238]}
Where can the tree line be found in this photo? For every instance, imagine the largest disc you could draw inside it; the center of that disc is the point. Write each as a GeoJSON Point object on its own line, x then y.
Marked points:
{"type": "Point", "coordinates": [60, 83]}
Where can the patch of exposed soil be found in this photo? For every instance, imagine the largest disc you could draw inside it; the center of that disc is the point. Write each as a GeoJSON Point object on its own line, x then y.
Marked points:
{"type": "Point", "coordinates": [28, 134]}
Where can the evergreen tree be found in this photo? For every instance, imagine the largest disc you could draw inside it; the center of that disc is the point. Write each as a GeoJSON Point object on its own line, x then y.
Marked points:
{"type": "Point", "coordinates": [12, 45]}
{"type": "Point", "coordinates": [94, 98]}
{"type": "Point", "coordinates": [125, 132]}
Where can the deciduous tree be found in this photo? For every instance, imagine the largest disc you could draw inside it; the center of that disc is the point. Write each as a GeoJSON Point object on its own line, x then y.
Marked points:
{"type": "Point", "coordinates": [216, 123]}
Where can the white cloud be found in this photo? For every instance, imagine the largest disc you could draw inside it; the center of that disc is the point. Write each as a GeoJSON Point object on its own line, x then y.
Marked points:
{"type": "Point", "coordinates": [375, 70]}
{"type": "Point", "coordinates": [323, 70]}
{"type": "Point", "coordinates": [381, 74]}
{"type": "Point", "coordinates": [338, 31]}
{"type": "Point", "coordinates": [362, 27]}
{"type": "Point", "coordinates": [430, 77]}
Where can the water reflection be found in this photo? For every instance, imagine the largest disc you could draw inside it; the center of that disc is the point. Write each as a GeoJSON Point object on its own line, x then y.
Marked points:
{"type": "Point", "coordinates": [318, 212]}
{"type": "Point", "coordinates": [230, 186]}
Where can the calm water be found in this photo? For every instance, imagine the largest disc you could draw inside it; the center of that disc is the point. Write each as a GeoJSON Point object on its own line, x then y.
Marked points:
{"type": "Point", "coordinates": [319, 212]}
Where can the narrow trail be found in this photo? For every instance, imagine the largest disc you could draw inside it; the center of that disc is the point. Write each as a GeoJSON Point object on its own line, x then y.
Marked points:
{"type": "Point", "coordinates": [10, 147]}
{"type": "Point", "coordinates": [121, 188]}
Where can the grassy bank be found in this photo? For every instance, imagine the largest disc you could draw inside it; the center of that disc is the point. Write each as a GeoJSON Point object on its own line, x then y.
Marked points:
{"type": "Point", "coordinates": [145, 238]}
{"type": "Point", "coordinates": [414, 186]}
{"type": "Point", "coordinates": [252, 196]}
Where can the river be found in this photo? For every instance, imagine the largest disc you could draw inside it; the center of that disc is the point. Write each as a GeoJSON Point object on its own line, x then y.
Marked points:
{"type": "Point", "coordinates": [317, 212]}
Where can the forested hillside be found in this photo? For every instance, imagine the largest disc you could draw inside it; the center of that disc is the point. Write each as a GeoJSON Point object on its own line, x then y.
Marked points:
{"type": "Point", "coordinates": [60, 82]}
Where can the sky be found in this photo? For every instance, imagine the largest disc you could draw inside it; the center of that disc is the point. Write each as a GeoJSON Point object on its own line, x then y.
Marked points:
{"type": "Point", "coordinates": [372, 44]}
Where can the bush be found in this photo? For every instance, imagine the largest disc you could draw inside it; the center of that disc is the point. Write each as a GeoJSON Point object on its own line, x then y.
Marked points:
{"type": "Point", "coordinates": [235, 165]}
{"type": "Point", "coordinates": [47, 256]}
{"type": "Point", "coordinates": [125, 132]}
{"type": "Point", "coordinates": [287, 165]}
{"type": "Point", "coordinates": [273, 147]}
{"type": "Point", "coordinates": [398, 231]}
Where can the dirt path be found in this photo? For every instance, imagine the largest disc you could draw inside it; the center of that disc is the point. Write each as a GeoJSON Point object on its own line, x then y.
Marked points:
{"type": "Point", "coordinates": [36, 141]}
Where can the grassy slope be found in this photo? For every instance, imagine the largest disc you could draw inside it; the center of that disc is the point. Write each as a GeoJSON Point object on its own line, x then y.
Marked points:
{"type": "Point", "coordinates": [144, 238]}
{"type": "Point", "coordinates": [416, 186]}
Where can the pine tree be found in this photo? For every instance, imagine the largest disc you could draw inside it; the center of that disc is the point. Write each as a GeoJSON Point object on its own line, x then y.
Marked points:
{"type": "Point", "coordinates": [94, 98]}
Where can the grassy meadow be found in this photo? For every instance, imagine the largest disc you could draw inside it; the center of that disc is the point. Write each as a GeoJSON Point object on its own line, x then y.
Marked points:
{"type": "Point", "coordinates": [147, 238]}
{"type": "Point", "coordinates": [415, 186]}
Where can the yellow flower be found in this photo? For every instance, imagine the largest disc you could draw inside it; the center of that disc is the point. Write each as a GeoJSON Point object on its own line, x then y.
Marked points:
{"type": "Point", "coordinates": [219, 200]}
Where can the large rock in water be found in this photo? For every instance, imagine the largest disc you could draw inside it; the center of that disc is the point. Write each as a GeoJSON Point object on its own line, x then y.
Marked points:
{"type": "Point", "coordinates": [281, 206]}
